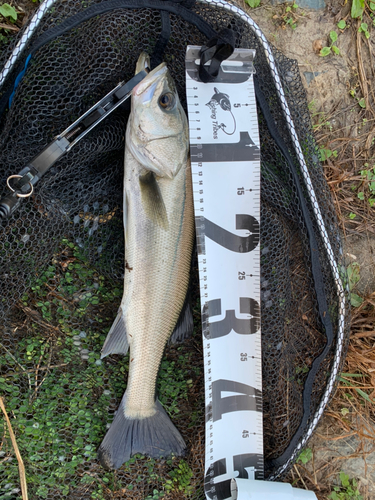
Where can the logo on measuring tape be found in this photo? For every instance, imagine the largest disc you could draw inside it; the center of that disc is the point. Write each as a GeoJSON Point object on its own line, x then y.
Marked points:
{"type": "Point", "coordinates": [219, 103]}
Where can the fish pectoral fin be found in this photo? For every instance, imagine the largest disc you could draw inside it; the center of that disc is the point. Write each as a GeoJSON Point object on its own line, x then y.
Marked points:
{"type": "Point", "coordinates": [152, 200]}
{"type": "Point", "coordinates": [185, 325]}
{"type": "Point", "coordinates": [117, 340]}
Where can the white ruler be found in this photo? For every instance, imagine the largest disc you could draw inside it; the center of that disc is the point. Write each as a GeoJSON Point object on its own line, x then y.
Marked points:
{"type": "Point", "coordinates": [225, 161]}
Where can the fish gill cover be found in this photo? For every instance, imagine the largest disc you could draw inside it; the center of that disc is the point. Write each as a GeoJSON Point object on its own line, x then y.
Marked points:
{"type": "Point", "coordinates": [62, 266]}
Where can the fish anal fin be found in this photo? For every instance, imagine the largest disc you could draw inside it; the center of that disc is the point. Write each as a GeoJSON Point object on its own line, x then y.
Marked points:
{"type": "Point", "coordinates": [116, 341]}
{"type": "Point", "coordinates": [154, 436]}
{"type": "Point", "coordinates": [152, 200]}
{"type": "Point", "coordinates": [185, 324]}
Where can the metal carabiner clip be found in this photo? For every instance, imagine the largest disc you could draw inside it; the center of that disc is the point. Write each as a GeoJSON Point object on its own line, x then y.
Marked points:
{"type": "Point", "coordinates": [19, 195]}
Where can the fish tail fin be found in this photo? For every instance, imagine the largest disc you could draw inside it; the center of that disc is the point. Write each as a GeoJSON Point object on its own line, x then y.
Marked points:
{"type": "Point", "coordinates": [153, 436]}
{"type": "Point", "coordinates": [117, 340]}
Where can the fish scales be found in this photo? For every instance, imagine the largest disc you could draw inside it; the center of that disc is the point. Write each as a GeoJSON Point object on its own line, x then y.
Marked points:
{"type": "Point", "coordinates": [156, 293]}
{"type": "Point", "coordinates": [159, 236]}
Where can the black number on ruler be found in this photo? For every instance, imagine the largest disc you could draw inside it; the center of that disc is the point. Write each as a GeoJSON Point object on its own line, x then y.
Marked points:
{"type": "Point", "coordinates": [231, 322]}
{"type": "Point", "coordinates": [243, 464]}
{"type": "Point", "coordinates": [230, 241]}
{"type": "Point", "coordinates": [248, 398]}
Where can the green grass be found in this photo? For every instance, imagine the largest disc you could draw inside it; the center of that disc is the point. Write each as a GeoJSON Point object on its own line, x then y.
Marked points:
{"type": "Point", "coordinates": [60, 415]}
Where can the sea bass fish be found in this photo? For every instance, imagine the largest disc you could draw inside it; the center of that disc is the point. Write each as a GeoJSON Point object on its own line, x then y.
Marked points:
{"type": "Point", "coordinates": [159, 235]}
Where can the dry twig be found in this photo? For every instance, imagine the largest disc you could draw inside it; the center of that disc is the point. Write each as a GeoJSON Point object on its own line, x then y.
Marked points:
{"type": "Point", "coordinates": [21, 466]}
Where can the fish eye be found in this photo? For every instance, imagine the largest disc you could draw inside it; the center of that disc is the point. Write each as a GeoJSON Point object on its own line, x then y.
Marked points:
{"type": "Point", "coordinates": [167, 101]}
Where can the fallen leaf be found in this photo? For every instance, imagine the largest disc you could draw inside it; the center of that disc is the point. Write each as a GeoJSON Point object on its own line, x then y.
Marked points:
{"type": "Point", "coordinates": [317, 45]}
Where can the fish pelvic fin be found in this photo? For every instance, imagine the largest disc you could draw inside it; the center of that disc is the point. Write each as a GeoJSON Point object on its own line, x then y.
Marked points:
{"type": "Point", "coordinates": [117, 340]}
{"type": "Point", "coordinates": [185, 324]}
{"type": "Point", "coordinates": [152, 200]}
{"type": "Point", "coordinates": [153, 436]}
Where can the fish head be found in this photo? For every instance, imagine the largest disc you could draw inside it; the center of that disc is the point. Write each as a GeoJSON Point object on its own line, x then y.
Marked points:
{"type": "Point", "coordinates": [157, 133]}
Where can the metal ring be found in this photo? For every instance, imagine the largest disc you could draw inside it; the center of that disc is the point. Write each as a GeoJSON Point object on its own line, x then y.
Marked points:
{"type": "Point", "coordinates": [13, 190]}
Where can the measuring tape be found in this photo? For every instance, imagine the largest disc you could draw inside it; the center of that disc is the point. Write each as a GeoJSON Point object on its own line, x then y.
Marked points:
{"type": "Point", "coordinates": [225, 163]}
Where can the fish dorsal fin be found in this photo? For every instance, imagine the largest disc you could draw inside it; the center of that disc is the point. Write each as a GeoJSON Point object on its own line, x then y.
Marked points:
{"type": "Point", "coordinates": [152, 200]}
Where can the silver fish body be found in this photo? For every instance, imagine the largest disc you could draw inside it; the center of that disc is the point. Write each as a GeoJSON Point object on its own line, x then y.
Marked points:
{"type": "Point", "coordinates": [159, 235]}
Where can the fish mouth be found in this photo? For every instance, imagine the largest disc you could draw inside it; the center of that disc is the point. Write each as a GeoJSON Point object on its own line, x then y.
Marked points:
{"type": "Point", "coordinates": [150, 79]}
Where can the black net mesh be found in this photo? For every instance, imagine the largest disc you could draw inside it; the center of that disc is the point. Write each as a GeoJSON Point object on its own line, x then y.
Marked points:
{"type": "Point", "coordinates": [62, 266]}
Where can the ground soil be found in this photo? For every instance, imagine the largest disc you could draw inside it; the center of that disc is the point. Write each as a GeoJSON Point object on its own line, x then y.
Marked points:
{"type": "Point", "coordinates": [335, 84]}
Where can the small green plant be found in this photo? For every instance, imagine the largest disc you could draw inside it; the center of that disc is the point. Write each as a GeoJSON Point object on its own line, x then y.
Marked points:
{"type": "Point", "coordinates": [358, 7]}
{"type": "Point", "coordinates": [156, 495]}
{"type": "Point", "coordinates": [305, 456]}
{"type": "Point", "coordinates": [341, 24]}
{"type": "Point", "coordinates": [10, 16]}
{"type": "Point", "coordinates": [180, 478]}
{"type": "Point", "coordinates": [353, 278]}
{"type": "Point", "coordinates": [352, 216]}
{"type": "Point", "coordinates": [253, 3]}
{"type": "Point", "coordinates": [332, 47]}
{"type": "Point", "coordinates": [363, 28]}
{"type": "Point", "coordinates": [319, 118]}
{"type": "Point", "coordinates": [348, 379]}
{"type": "Point", "coordinates": [325, 153]}
{"type": "Point", "coordinates": [361, 101]}
{"type": "Point", "coordinates": [289, 18]}
{"type": "Point", "coordinates": [347, 491]}
{"type": "Point", "coordinates": [368, 184]}
{"type": "Point", "coordinates": [7, 10]}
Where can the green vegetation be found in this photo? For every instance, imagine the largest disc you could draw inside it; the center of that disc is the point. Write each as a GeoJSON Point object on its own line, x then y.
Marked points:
{"type": "Point", "coordinates": [332, 47]}
{"type": "Point", "coordinates": [353, 278]}
{"type": "Point", "coordinates": [367, 185]}
{"type": "Point", "coordinates": [58, 392]}
{"type": "Point", "coordinates": [8, 15]}
{"type": "Point", "coordinates": [180, 478]}
{"type": "Point", "coordinates": [347, 491]}
{"type": "Point", "coordinates": [348, 379]}
{"type": "Point", "coordinates": [7, 10]}
{"type": "Point", "coordinates": [54, 376]}
{"type": "Point", "coordinates": [289, 16]}
{"type": "Point", "coordinates": [253, 3]}
{"type": "Point", "coordinates": [305, 456]}
{"type": "Point", "coordinates": [358, 7]}
{"type": "Point", "coordinates": [361, 101]}
{"type": "Point", "coordinates": [325, 153]}
{"type": "Point", "coordinates": [363, 28]}
{"type": "Point", "coordinates": [320, 120]}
